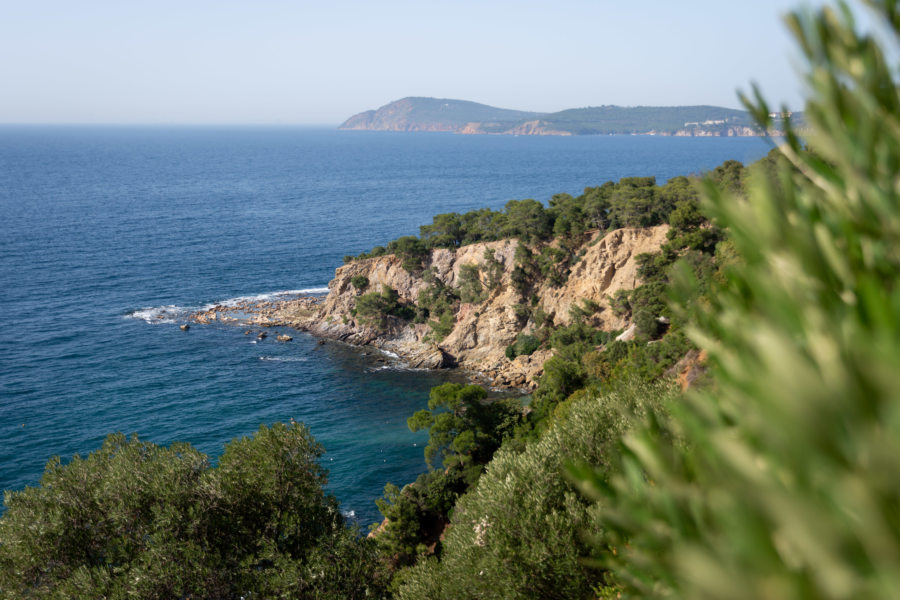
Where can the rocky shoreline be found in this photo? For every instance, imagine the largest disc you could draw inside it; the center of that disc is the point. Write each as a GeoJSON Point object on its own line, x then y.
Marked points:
{"type": "Point", "coordinates": [481, 332]}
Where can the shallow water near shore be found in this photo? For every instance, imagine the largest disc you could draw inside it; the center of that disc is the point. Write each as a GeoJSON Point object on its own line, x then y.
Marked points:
{"type": "Point", "coordinates": [111, 233]}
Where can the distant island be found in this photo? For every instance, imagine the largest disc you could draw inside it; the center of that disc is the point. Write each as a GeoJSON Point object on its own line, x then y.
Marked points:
{"type": "Point", "coordinates": [461, 116]}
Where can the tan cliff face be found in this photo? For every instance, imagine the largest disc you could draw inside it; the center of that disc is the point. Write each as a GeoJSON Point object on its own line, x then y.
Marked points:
{"type": "Point", "coordinates": [481, 331]}
{"type": "Point", "coordinates": [607, 266]}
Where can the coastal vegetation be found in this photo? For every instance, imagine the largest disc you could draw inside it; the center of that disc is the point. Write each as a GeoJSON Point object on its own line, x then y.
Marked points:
{"type": "Point", "coordinates": [768, 473]}
{"type": "Point", "coordinates": [134, 519]}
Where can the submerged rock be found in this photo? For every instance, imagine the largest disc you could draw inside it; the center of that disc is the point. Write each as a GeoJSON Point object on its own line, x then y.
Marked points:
{"type": "Point", "coordinates": [284, 338]}
{"type": "Point", "coordinates": [184, 327]}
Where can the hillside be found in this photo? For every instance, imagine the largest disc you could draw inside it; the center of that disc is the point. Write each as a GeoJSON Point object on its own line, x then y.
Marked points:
{"type": "Point", "coordinates": [432, 114]}
{"type": "Point", "coordinates": [459, 116]}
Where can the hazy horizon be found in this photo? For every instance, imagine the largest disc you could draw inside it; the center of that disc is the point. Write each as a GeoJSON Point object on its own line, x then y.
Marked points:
{"type": "Point", "coordinates": [283, 63]}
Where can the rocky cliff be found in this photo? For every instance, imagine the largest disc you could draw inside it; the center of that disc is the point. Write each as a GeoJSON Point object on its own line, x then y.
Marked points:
{"type": "Point", "coordinates": [481, 332]}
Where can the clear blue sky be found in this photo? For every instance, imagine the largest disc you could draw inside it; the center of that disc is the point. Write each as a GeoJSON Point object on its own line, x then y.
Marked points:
{"type": "Point", "coordinates": [199, 61]}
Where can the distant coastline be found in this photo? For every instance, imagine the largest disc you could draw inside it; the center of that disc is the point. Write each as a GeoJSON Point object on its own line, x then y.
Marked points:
{"type": "Point", "coordinates": [471, 118]}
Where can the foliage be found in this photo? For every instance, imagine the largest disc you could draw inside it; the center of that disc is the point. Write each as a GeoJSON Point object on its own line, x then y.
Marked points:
{"type": "Point", "coordinates": [619, 303]}
{"type": "Point", "coordinates": [582, 314]}
{"type": "Point", "coordinates": [374, 308]}
{"type": "Point", "coordinates": [410, 250]}
{"type": "Point", "coordinates": [464, 430]}
{"type": "Point", "coordinates": [527, 220]}
{"type": "Point", "coordinates": [417, 515]}
{"type": "Point", "coordinates": [437, 304]}
{"type": "Point", "coordinates": [553, 264]}
{"type": "Point", "coordinates": [493, 269]}
{"type": "Point", "coordinates": [525, 345]}
{"type": "Point", "coordinates": [360, 282]}
{"type": "Point", "coordinates": [471, 289]}
{"type": "Point", "coordinates": [446, 231]}
{"type": "Point", "coordinates": [442, 326]}
{"type": "Point", "coordinates": [520, 533]}
{"type": "Point", "coordinates": [779, 482]}
{"type": "Point", "coordinates": [137, 519]}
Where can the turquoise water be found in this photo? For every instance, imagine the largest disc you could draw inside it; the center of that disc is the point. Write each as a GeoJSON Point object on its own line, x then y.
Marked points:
{"type": "Point", "coordinates": [106, 228]}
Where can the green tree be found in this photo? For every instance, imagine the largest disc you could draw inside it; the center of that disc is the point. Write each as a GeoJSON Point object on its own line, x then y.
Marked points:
{"type": "Point", "coordinates": [360, 282]}
{"type": "Point", "coordinates": [134, 519]}
{"type": "Point", "coordinates": [374, 308]}
{"type": "Point", "coordinates": [522, 531]}
{"type": "Point", "coordinates": [471, 289]}
{"type": "Point", "coordinates": [779, 482]}
{"type": "Point", "coordinates": [411, 252]}
{"type": "Point", "coordinates": [446, 231]}
{"type": "Point", "coordinates": [527, 220]}
{"type": "Point", "coordinates": [597, 205]}
{"type": "Point", "coordinates": [464, 429]}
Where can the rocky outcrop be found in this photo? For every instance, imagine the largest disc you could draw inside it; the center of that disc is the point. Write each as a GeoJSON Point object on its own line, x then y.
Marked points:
{"type": "Point", "coordinates": [481, 331]}
{"type": "Point", "coordinates": [535, 127]}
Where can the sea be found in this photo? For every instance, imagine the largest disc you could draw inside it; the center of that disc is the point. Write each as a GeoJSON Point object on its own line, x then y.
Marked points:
{"type": "Point", "coordinates": [110, 234]}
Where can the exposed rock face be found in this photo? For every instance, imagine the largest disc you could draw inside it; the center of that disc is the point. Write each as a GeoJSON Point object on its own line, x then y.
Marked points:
{"type": "Point", "coordinates": [482, 331]}
{"type": "Point", "coordinates": [536, 127]}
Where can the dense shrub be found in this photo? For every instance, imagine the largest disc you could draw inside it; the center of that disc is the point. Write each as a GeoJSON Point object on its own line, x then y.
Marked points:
{"type": "Point", "coordinates": [464, 428]}
{"type": "Point", "coordinates": [360, 282]}
{"type": "Point", "coordinates": [134, 519]}
{"type": "Point", "coordinates": [470, 288]}
{"type": "Point", "coordinates": [779, 482]}
{"type": "Point", "coordinates": [374, 308]}
{"type": "Point", "coordinates": [525, 345]}
{"type": "Point", "coordinates": [520, 533]}
{"type": "Point", "coordinates": [411, 252]}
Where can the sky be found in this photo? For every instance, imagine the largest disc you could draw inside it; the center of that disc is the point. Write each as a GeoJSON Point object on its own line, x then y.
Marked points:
{"type": "Point", "coordinates": [300, 62]}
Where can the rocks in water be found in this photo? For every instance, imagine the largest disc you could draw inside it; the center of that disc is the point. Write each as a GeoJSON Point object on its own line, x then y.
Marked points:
{"type": "Point", "coordinates": [284, 338]}
{"type": "Point", "coordinates": [321, 342]}
{"type": "Point", "coordinates": [248, 332]}
{"type": "Point", "coordinates": [262, 335]}
{"type": "Point", "coordinates": [184, 327]}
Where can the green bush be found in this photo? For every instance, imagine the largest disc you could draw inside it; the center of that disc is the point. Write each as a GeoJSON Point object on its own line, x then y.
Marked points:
{"type": "Point", "coordinates": [374, 308]}
{"type": "Point", "coordinates": [493, 269]}
{"type": "Point", "coordinates": [417, 515]}
{"type": "Point", "coordinates": [464, 428]}
{"type": "Point", "coordinates": [525, 345]}
{"type": "Point", "coordinates": [520, 532]}
{"type": "Point", "coordinates": [442, 326]}
{"type": "Point", "coordinates": [411, 252]}
{"type": "Point", "coordinates": [133, 519]}
{"type": "Point", "coordinates": [779, 482]}
{"type": "Point", "coordinates": [471, 289]}
{"type": "Point", "coordinates": [360, 282]}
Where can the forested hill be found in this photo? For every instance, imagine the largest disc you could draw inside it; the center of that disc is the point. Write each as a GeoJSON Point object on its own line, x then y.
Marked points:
{"type": "Point", "coordinates": [459, 116]}
{"type": "Point", "coordinates": [432, 114]}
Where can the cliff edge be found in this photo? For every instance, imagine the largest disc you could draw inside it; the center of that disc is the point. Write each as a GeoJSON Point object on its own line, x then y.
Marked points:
{"type": "Point", "coordinates": [481, 330]}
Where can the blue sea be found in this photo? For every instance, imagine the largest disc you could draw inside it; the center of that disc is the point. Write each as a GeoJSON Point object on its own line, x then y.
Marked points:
{"type": "Point", "coordinates": [105, 229]}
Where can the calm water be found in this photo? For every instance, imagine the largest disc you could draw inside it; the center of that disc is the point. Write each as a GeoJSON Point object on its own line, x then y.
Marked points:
{"type": "Point", "coordinates": [105, 228]}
